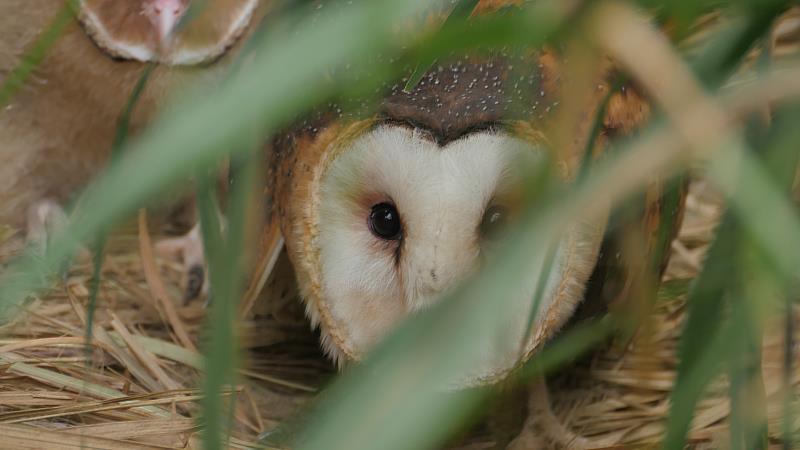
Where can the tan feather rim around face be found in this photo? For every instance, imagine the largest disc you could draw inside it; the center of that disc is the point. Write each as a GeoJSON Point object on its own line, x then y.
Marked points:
{"type": "Point", "coordinates": [124, 30]}
{"type": "Point", "coordinates": [352, 301]}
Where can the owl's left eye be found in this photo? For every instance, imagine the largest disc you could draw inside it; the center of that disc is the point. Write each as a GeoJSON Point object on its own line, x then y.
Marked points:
{"type": "Point", "coordinates": [384, 222]}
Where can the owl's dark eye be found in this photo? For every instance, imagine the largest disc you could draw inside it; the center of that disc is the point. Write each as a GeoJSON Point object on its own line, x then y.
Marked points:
{"type": "Point", "coordinates": [384, 222]}
{"type": "Point", "coordinates": [494, 220]}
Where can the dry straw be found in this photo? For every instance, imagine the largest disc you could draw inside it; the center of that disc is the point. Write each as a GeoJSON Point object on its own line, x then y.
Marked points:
{"type": "Point", "coordinates": [138, 390]}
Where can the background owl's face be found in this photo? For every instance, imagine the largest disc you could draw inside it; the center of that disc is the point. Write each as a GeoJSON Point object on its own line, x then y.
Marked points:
{"type": "Point", "coordinates": [398, 221]}
{"type": "Point", "coordinates": [148, 30]}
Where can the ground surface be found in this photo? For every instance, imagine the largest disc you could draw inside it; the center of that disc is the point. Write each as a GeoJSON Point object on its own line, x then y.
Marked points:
{"type": "Point", "coordinates": [138, 390]}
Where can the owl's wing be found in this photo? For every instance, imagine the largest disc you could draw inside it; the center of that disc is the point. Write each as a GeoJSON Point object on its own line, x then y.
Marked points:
{"type": "Point", "coordinates": [641, 231]}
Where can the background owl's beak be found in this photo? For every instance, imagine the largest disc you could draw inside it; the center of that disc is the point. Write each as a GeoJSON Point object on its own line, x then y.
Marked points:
{"type": "Point", "coordinates": [165, 16]}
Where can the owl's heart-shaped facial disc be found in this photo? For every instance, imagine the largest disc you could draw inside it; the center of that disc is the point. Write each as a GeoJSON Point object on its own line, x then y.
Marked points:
{"type": "Point", "coordinates": [399, 220]}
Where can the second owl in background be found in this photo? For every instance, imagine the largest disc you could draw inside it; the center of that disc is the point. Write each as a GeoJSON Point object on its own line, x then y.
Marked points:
{"type": "Point", "coordinates": [58, 130]}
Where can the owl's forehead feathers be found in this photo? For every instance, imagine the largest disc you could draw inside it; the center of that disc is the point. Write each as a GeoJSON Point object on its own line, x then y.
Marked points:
{"type": "Point", "coordinates": [406, 167]}
{"type": "Point", "coordinates": [464, 95]}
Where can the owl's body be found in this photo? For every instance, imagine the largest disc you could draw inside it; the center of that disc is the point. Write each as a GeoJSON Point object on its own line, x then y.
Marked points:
{"type": "Point", "coordinates": [443, 160]}
{"type": "Point", "coordinates": [381, 213]}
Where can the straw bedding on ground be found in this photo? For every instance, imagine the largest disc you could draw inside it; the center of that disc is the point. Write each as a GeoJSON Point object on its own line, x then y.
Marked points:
{"type": "Point", "coordinates": [136, 387]}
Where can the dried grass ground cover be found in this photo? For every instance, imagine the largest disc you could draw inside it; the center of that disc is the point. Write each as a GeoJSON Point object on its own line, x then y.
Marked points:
{"type": "Point", "coordinates": [621, 397]}
{"type": "Point", "coordinates": [138, 389]}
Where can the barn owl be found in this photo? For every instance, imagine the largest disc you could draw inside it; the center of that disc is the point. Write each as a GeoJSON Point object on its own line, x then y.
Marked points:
{"type": "Point", "coordinates": [383, 214]}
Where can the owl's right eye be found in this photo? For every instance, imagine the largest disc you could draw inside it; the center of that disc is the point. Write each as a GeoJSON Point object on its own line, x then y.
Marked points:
{"type": "Point", "coordinates": [494, 220]}
{"type": "Point", "coordinates": [384, 222]}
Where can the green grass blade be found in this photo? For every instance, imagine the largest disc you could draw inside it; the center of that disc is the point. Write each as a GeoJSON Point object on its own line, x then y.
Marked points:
{"type": "Point", "coordinates": [225, 267]}
{"type": "Point", "coordinates": [726, 52]}
{"type": "Point", "coordinates": [461, 12]}
{"type": "Point", "coordinates": [219, 362]}
{"type": "Point", "coordinates": [99, 246]}
{"type": "Point", "coordinates": [754, 194]}
{"type": "Point", "coordinates": [705, 300]}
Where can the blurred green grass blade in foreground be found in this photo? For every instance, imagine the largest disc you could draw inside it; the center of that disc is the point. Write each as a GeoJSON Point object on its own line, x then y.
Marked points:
{"type": "Point", "coordinates": [721, 287]}
{"type": "Point", "coordinates": [460, 12]}
{"type": "Point", "coordinates": [710, 336]}
{"type": "Point", "coordinates": [220, 353]}
{"type": "Point", "coordinates": [99, 245]}
{"type": "Point", "coordinates": [225, 247]}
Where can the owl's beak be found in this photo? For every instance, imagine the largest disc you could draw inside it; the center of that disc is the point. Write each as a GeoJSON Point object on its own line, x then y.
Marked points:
{"type": "Point", "coordinates": [447, 265]}
{"type": "Point", "coordinates": [165, 15]}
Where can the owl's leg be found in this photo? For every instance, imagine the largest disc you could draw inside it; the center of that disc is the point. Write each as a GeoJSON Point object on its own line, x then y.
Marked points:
{"type": "Point", "coordinates": [45, 218]}
{"type": "Point", "coordinates": [189, 250]}
{"type": "Point", "coordinates": [543, 427]}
